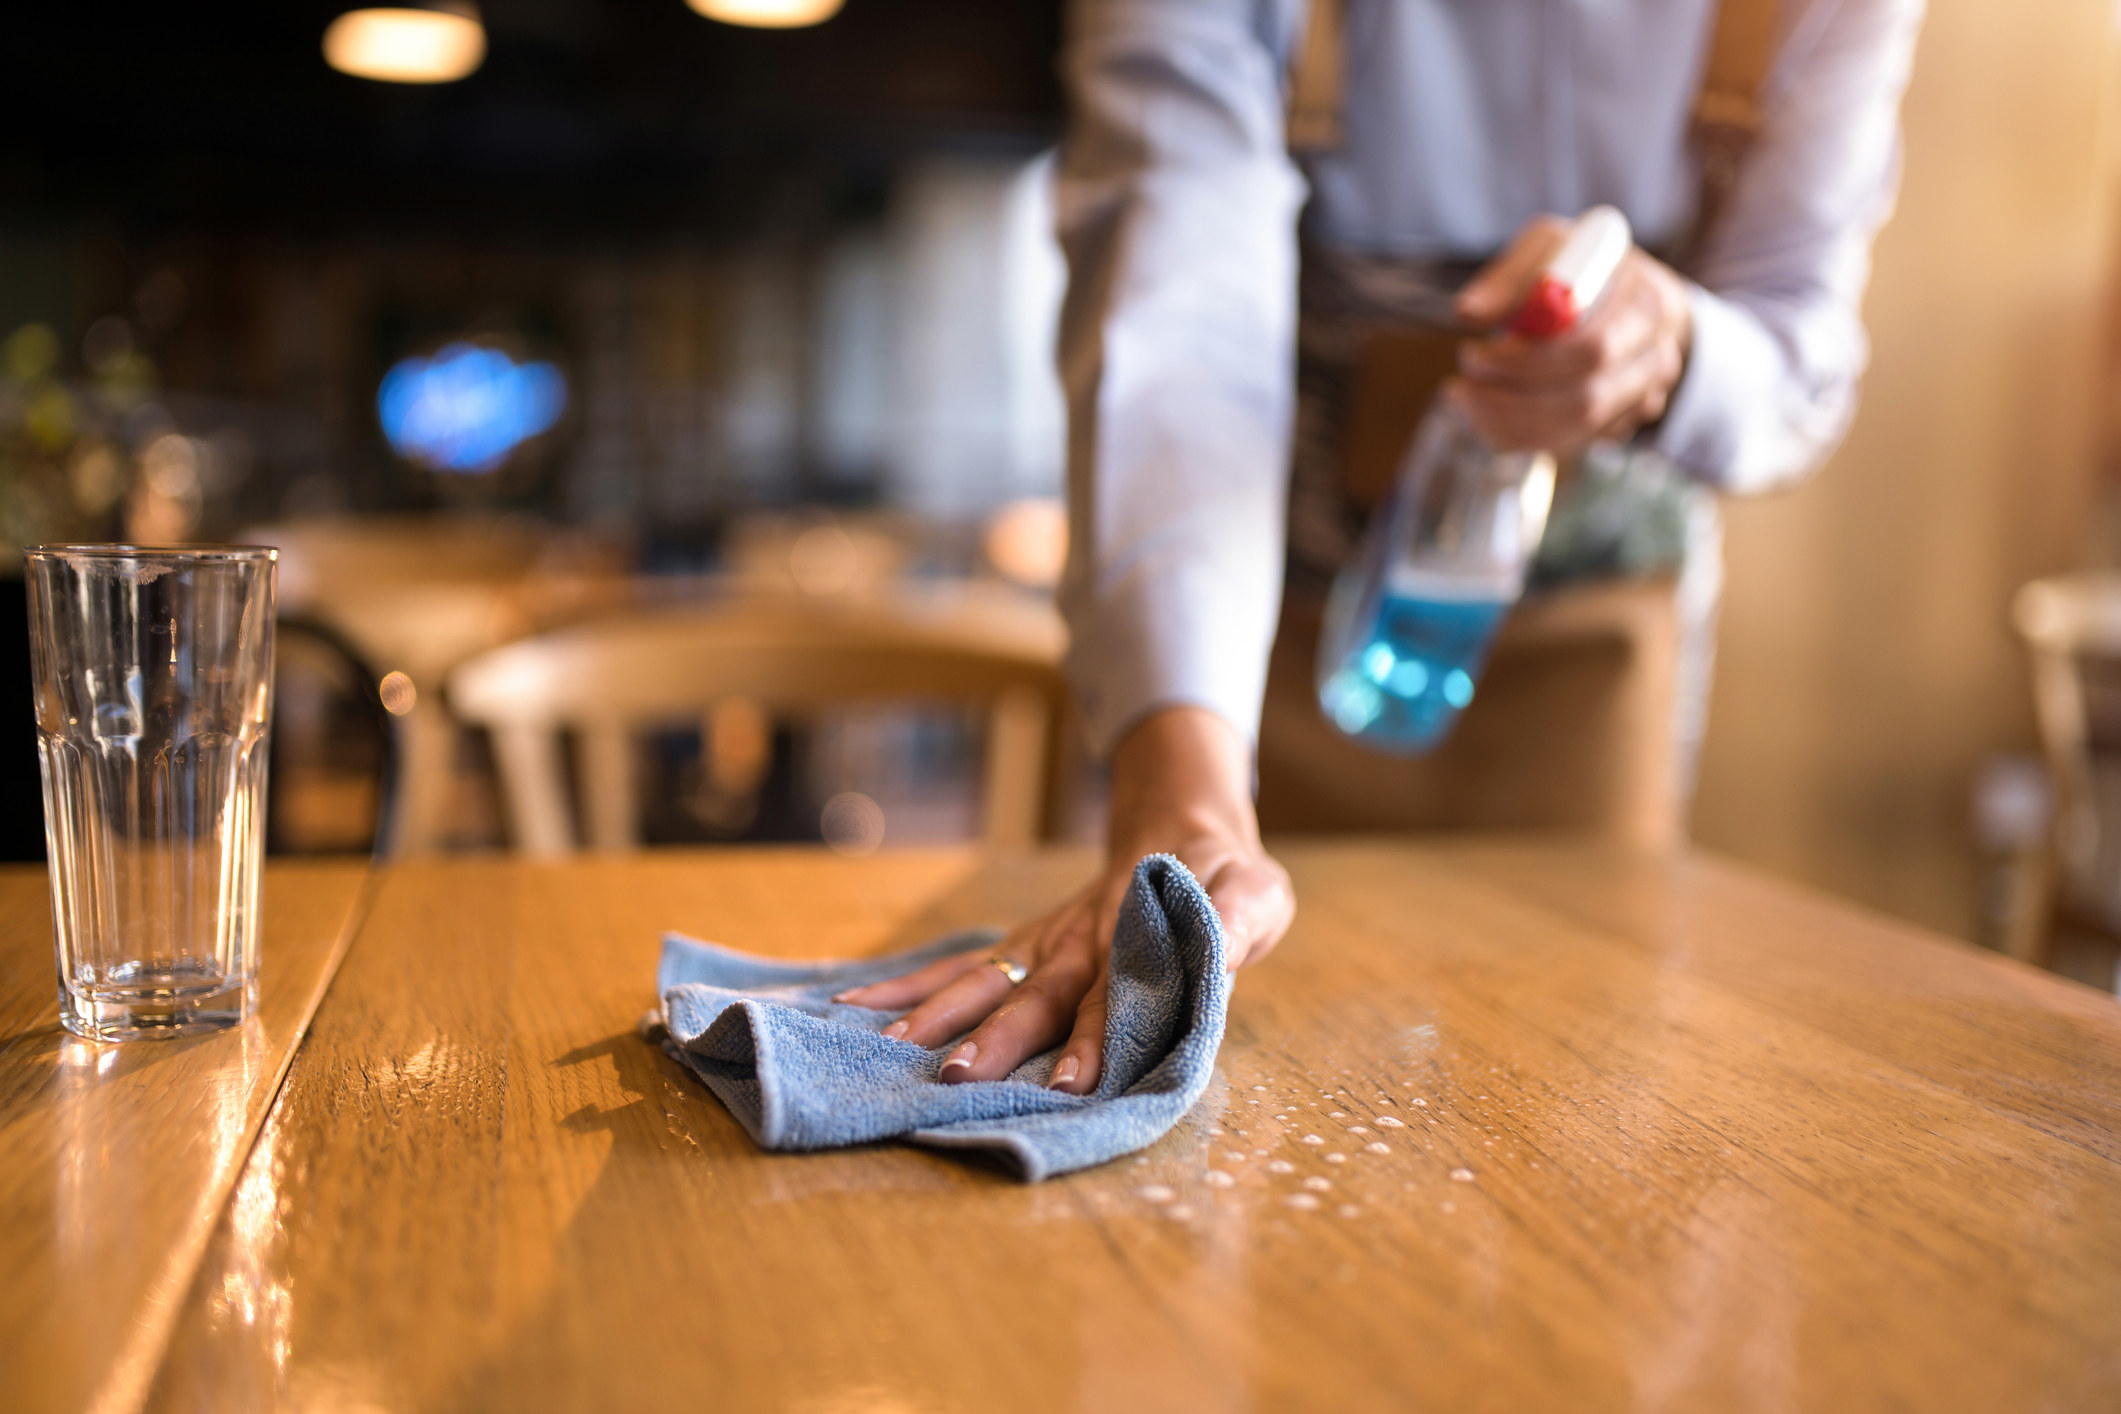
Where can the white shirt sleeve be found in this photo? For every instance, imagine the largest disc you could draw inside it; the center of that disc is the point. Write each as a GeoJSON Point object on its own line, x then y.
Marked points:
{"type": "Point", "coordinates": [1778, 345]}
{"type": "Point", "coordinates": [1177, 207]}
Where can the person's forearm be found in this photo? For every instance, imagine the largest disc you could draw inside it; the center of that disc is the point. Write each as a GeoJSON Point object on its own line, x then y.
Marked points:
{"type": "Point", "coordinates": [1180, 774]}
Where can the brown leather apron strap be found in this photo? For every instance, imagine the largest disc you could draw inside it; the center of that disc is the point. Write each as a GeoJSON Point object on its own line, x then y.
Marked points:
{"type": "Point", "coordinates": [1728, 111]}
{"type": "Point", "coordinates": [1315, 76]}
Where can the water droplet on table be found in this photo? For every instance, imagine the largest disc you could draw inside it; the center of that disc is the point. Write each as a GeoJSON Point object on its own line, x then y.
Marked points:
{"type": "Point", "coordinates": [1305, 1201]}
{"type": "Point", "coordinates": [1281, 1166]}
{"type": "Point", "coordinates": [1155, 1193]}
{"type": "Point", "coordinates": [1377, 1147]}
{"type": "Point", "coordinates": [1462, 1175]}
{"type": "Point", "coordinates": [1312, 1139]}
{"type": "Point", "coordinates": [1216, 1178]}
{"type": "Point", "coordinates": [1336, 1158]}
{"type": "Point", "coordinates": [1390, 1123]}
{"type": "Point", "coordinates": [1318, 1185]}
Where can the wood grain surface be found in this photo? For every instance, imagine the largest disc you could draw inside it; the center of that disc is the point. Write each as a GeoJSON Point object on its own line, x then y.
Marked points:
{"type": "Point", "coordinates": [117, 1160]}
{"type": "Point", "coordinates": [1592, 1131]}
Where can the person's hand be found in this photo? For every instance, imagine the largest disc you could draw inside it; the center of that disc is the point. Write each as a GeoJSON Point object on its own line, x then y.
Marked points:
{"type": "Point", "coordinates": [1606, 378]}
{"type": "Point", "coordinates": [1181, 784]}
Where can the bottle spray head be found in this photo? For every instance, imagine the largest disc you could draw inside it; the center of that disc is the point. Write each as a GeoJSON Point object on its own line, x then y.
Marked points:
{"type": "Point", "coordinates": [1577, 275]}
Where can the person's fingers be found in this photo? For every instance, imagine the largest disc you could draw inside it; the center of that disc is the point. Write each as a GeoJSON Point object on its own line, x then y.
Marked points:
{"type": "Point", "coordinates": [954, 1010]}
{"type": "Point", "coordinates": [1615, 337]}
{"type": "Point", "coordinates": [1617, 331]}
{"type": "Point", "coordinates": [1493, 295]}
{"type": "Point", "coordinates": [1514, 421]}
{"type": "Point", "coordinates": [915, 986]}
{"type": "Point", "coordinates": [1033, 1016]}
{"type": "Point", "coordinates": [1560, 419]}
{"type": "Point", "coordinates": [1257, 904]}
{"type": "Point", "coordinates": [1081, 1061]}
{"type": "Point", "coordinates": [1661, 370]}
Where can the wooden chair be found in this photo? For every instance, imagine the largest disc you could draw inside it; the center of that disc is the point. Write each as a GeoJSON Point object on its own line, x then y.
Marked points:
{"type": "Point", "coordinates": [2071, 627]}
{"type": "Point", "coordinates": [419, 595]}
{"type": "Point", "coordinates": [333, 786]}
{"type": "Point", "coordinates": [1572, 731]}
{"type": "Point", "coordinates": [605, 681]}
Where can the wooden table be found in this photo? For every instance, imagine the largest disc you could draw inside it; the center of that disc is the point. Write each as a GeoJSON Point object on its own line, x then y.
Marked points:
{"type": "Point", "coordinates": [117, 1161]}
{"type": "Point", "coordinates": [1656, 1135]}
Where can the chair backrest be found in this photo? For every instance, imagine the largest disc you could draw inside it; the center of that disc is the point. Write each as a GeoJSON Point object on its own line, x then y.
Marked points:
{"type": "Point", "coordinates": [333, 786]}
{"type": "Point", "coordinates": [419, 595]}
{"type": "Point", "coordinates": [2070, 623]}
{"type": "Point", "coordinates": [609, 679]}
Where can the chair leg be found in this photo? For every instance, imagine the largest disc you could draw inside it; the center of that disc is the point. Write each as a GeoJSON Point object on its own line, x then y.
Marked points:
{"type": "Point", "coordinates": [533, 782]}
{"type": "Point", "coordinates": [2031, 930]}
{"type": "Point", "coordinates": [427, 746]}
{"type": "Point", "coordinates": [1016, 768]}
{"type": "Point", "coordinates": [608, 787]}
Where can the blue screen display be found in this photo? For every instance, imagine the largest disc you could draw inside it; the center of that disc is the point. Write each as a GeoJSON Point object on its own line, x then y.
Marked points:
{"type": "Point", "coordinates": [468, 407]}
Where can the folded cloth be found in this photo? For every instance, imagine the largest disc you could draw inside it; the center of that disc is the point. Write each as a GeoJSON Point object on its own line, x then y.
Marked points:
{"type": "Point", "coordinates": [801, 1071]}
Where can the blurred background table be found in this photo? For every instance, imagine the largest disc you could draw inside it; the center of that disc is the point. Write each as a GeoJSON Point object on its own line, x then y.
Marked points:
{"type": "Point", "coordinates": [1594, 1131]}
{"type": "Point", "coordinates": [116, 1161]}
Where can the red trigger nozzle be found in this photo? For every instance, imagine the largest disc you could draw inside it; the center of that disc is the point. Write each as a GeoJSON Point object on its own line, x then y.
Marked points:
{"type": "Point", "coordinates": [1550, 309]}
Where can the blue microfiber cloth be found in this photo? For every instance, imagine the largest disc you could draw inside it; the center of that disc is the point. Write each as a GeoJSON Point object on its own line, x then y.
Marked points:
{"type": "Point", "coordinates": [801, 1071]}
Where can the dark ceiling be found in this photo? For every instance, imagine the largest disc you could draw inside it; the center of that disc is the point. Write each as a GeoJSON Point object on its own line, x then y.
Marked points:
{"type": "Point", "coordinates": [592, 118]}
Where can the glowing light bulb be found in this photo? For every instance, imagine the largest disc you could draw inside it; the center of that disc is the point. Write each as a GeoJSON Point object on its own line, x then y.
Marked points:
{"type": "Point", "coordinates": [406, 45]}
{"type": "Point", "coordinates": [768, 14]}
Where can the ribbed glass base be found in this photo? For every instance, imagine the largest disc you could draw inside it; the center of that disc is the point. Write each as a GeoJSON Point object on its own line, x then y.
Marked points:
{"type": "Point", "coordinates": [141, 1013]}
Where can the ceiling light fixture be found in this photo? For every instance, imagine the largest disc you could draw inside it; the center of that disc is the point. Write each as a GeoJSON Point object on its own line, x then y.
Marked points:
{"type": "Point", "coordinates": [436, 42]}
{"type": "Point", "coordinates": [768, 14]}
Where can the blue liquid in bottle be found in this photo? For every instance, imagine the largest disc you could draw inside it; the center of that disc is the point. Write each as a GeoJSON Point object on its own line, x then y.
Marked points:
{"type": "Point", "coordinates": [1413, 670]}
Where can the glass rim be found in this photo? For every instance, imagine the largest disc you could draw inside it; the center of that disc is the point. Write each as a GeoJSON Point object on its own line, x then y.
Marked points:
{"type": "Point", "coordinates": [171, 554]}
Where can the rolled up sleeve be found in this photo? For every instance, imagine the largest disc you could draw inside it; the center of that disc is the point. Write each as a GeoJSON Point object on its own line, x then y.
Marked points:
{"type": "Point", "coordinates": [1177, 210]}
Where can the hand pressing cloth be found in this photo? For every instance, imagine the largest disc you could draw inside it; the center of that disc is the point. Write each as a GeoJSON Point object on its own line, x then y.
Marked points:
{"type": "Point", "coordinates": [801, 1071]}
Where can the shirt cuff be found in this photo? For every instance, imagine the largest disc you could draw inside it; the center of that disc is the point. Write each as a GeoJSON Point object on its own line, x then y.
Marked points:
{"type": "Point", "coordinates": [1175, 634]}
{"type": "Point", "coordinates": [1731, 362]}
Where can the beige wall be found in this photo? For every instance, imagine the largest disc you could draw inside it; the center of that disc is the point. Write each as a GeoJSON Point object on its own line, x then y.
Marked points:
{"type": "Point", "coordinates": [1866, 665]}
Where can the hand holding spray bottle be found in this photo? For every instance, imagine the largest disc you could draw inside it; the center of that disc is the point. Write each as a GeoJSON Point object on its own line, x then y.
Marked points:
{"type": "Point", "coordinates": [1413, 615]}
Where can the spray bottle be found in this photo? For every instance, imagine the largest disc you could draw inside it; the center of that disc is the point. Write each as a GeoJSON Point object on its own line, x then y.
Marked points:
{"type": "Point", "coordinates": [1412, 617]}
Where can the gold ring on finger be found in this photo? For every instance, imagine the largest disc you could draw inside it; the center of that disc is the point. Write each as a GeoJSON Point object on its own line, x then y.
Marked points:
{"type": "Point", "coordinates": [1010, 968]}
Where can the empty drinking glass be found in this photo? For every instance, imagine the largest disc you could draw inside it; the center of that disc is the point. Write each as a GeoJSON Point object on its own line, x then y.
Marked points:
{"type": "Point", "coordinates": [153, 677]}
